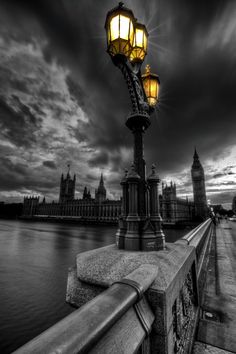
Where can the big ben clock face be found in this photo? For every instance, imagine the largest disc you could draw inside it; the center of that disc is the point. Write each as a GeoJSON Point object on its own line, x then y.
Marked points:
{"type": "Point", "coordinates": [196, 173]}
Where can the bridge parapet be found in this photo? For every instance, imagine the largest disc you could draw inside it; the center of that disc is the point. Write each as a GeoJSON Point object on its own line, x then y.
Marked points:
{"type": "Point", "coordinates": [200, 239]}
{"type": "Point", "coordinates": [132, 301]}
{"type": "Point", "coordinates": [122, 311]}
{"type": "Point", "coordinates": [197, 236]}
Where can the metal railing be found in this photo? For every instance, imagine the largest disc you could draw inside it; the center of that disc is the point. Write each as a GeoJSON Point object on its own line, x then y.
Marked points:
{"type": "Point", "coordinates": [95, 327]}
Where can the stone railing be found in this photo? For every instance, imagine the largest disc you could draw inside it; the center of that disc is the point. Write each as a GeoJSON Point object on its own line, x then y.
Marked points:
{"type": "Point", "coordinates": [200, 239]}
{"type": "Point", "coordinates": [129, 302]}
{"type": "Point", "coordinates": [116, 321]}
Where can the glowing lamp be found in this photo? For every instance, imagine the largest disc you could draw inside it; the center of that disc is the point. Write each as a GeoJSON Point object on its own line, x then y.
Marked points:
{"type": "Point", "coordinates": [119, 27]}
{"type": "Point", "coordinates": [151, 84]}
{"type": "Point", "coordinates": [139, 44]}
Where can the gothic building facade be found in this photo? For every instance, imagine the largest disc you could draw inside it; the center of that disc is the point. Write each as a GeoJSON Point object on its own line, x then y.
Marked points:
{"type": "Point", "coordinates": [174, 209]}
{"type": "Point", "coordinates": [87, 209]}
{"type": "Point", "coordinates": [101, 209]}
{"type": "Point", "coordinates": [67, 188]}
{"type": "Point", "coordinates": [101, 193]}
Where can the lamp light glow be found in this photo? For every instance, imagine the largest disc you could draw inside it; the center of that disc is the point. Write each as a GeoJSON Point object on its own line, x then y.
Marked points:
{"type": "Point", "coordinates": [120, 31]}
{"type": "Point", "coordinates": [139, 44]}
{"type": "Point", "coordinates": [151, 85]}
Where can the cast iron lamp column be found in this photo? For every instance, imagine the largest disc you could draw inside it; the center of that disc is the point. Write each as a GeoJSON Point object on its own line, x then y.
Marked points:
{"type": "Point", "coordinates": [127, 46]}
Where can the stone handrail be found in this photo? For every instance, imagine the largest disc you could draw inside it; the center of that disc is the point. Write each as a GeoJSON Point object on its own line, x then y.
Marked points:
{"type": "Point", "coordinates": [196, 237]}
{"type": "Point", "coordinates": [200, 239]}
{"type": "Point", "coordinates": [101, 323]}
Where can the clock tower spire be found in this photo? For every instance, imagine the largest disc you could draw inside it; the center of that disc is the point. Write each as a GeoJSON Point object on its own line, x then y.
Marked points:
{"type": "Point", "coordinates": [199, 192]}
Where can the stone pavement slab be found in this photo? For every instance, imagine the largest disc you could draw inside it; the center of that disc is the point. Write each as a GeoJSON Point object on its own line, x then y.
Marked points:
{"type": "Point", "coordinates": [217, 325]}
{"type": "Point", "coordinates": [202, 348]}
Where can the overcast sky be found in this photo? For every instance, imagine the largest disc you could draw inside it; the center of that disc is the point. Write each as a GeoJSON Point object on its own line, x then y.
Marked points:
{"type": "Point", "coordinates": [63, 101]}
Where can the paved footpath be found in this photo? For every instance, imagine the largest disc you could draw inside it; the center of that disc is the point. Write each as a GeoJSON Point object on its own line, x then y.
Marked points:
{"type": "Point", "coordinates": [217, 325]}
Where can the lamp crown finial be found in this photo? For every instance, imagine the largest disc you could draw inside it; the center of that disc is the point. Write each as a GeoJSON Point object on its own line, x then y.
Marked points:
{"type": "Point", "coordinates": [148, 69]}
{"type": "Point", "coordinates": [121, 4]}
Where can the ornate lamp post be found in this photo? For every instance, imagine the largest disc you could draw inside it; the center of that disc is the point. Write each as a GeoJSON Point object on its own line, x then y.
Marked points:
{"type": "Point", "coordinates": [140, 222]}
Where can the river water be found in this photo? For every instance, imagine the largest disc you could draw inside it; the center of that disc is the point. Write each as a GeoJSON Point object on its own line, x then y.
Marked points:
{"type": "Point", "coordinates": [34, 261]}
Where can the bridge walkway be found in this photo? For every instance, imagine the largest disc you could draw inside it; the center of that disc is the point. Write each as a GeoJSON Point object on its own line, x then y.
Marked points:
{"type": "Point", "coordinates": [217, 325]}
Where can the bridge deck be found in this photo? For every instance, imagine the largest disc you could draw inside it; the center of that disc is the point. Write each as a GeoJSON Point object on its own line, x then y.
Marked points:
{"type": "Point", "coordinates": [217, 325]}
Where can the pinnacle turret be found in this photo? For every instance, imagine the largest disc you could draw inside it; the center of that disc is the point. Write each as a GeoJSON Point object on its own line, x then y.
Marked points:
{"type": "Point", "coordinates": [67, 187]}
{"type": "Point", "coordinates": [100, 193]}
{"type": "Point", "coordinates": [195, 156]}
{"type": "Point", "coordinates": [101, 180]}
{"type": "Point", "coordinates": [68, 173]}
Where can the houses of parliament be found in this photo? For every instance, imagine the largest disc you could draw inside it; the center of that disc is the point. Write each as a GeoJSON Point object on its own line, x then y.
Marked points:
{"type": "Point", "coordinates": [100, 209]}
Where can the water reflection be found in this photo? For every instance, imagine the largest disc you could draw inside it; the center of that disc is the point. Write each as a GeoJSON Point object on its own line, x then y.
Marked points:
{"type": "Point", "coordinates": [34, 261]}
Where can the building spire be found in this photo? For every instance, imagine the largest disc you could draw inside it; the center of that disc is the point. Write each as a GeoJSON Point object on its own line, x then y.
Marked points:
{"type": "Point", "coordinates": [100, 194]}
{"type": "Point", "coordinates": [101, 180]}
{"type": "Point", "coordinates": [195, 156]}
{"type": "Point", "coordinates": [68, 173]}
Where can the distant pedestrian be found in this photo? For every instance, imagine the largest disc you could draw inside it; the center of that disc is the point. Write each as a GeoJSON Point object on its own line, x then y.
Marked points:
{"type": "Point", "coordinates": [213, 217]}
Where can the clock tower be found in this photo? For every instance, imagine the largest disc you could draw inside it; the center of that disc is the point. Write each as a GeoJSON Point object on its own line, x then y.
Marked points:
{"type": "Point", "coordinates": [199, 192]}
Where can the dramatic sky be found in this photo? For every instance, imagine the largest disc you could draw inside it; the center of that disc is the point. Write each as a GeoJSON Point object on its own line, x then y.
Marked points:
{"type": "Point", "coordinates": [63, 101]}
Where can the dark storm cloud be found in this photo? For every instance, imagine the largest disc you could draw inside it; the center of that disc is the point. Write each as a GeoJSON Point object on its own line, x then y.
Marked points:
{"type": "Point", "coordinates": [99, 160]}
{"type": "Point", "coordinates": [222, 198]}
{"type": "Point", "coordinates": [192, 48]}
{"type": "Point", "coordinates": [218, 175]}
{"type": "Point", "coordinates": [197, 102]}
{"type": "Point", "coordinates": [51, 14]}
{"type": "Point", "coordinates": [18, 127]}
{"type": "Point", "coordinates": [227, 171]}
{"type": "Point", "coordinates": [76, 92]}
{"type": "Point", "coordinates": [50, 164]}
{"type": "Point", "coordinates": [19, 176]}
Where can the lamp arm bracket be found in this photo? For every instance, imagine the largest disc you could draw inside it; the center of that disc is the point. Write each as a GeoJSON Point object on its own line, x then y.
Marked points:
{"type": "Point", "coordinates": [135, 87]}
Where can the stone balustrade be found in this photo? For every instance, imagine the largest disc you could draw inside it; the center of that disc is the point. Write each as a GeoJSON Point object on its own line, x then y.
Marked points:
{"type": "Point", "coordinates": [132, 300]}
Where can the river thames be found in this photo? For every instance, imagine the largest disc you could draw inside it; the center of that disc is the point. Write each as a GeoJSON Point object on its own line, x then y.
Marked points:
{"type": "Point", "coordinates": [34, 261]}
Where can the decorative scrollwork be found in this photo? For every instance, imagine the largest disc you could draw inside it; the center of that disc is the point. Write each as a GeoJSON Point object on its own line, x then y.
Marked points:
{"type": "Point", "coordinates": [137, 95]}
{"type": "Point", "coordinates": [183, 313]}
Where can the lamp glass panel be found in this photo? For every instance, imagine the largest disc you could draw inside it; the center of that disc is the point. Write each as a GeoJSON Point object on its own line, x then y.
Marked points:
{"type": "Point", "coordinates": [153, 88]}
{"type": "Point", "coordinates": [139, 38]}
{"type": "Point", "coordinates": [146, 86]}
{"type": "Point", "coordinates": [114, 26]}
{"type": "Point", "coordinates": [158, 87]}
{"type": "Point", "coordinates": [131, 33]}
{"type": "Point", "coordinates": [124, 27]}
{"type": "Point", "coordinates": [144, 42]}
{"type": "Point", "coordinates": [108, 36]}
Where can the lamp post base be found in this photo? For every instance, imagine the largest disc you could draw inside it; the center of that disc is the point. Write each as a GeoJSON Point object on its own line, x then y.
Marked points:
{"type": "Point", "coordinates": [130, 242]}
{"type": "Point", "coordinates": [153, 241]}
{"type": "Point", "coordinates": [139, 237]}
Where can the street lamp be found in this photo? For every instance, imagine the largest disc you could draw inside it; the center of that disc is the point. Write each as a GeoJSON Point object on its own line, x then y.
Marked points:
{"type": "Point", "coordinates": [139, 48]}
{"type": "Point", "coordinates": [151, 84]}
{"type": "Point", "coordinates": [140, 222]}
{"type": "Point", "coordinates": [120, 31]}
